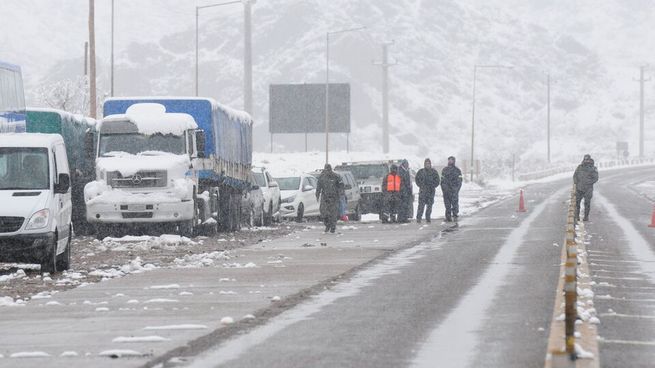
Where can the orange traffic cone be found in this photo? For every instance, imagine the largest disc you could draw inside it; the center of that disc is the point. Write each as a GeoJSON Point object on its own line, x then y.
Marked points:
{"type": "Point", "coordinates": [522, 203]}
{"type": "Point", "coordinates": [652, 220]}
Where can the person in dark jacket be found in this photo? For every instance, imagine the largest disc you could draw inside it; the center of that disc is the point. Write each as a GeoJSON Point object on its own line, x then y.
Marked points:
{"type": "Point", "coordinates": [451, 182]}
{"type": "Point", "coordinates": [391, 187]}
{"type": "Point", "coordinates": [329, 190]}
{"type": "Point", "coordinates": [584, 178]}
{"type": "Point", "coordinates": [427, 180]}
{"type": "Point", "coordinates": [406, 205]}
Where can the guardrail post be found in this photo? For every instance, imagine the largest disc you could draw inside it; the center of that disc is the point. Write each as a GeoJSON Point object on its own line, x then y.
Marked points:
{"type": "Point", "coordinates": [570, 279]}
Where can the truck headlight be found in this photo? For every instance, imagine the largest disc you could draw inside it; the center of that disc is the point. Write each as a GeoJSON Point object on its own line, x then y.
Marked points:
{"type": "Point", "coordinates": [38, 220]}
{"type": "Point", "coordinates": [289, 199]}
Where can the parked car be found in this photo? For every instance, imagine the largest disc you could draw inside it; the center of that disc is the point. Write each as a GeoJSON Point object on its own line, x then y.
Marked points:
{"type": "Point", "coordinates": [35, 216]}
{"type": "Point", "coordinates": [298, 196]}
{"type": "Point", "coordinates": [271, 191]}
{"type": "Point", "coordinates": [252, 204]}
{"type": "Point", "coordinates": [351, 191]}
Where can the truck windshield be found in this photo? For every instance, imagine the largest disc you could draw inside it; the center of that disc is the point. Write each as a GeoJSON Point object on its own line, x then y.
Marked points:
{"type": "Point", "coordinates": [361, 172]}
{"type": "Point", "coordinates": [292, 183]}
{"type": "Point", "coordinates": [115, 144]}
{"type": "Point", "coordinates": [24, 168]}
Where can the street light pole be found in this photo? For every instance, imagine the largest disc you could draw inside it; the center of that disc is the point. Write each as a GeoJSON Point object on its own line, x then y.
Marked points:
{"type": "Point", "coordinates": [327, 86]}
{"type": "Point", "coordinates": [548, 117]}
{"type": "Point", "coordinates": [198, 8]}
{"type": "Point", "coordinates": [112, 49]}
{"type": "Point", "coordinates": [475, 73]}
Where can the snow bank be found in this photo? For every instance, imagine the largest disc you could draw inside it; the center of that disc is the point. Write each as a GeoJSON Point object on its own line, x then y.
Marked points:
{"type": "Point", "coordinates": [130, 339]}
{"type": "Point", "coordinates": [7, 301]}
{"type": "Point", "coordinates": [30, 354]}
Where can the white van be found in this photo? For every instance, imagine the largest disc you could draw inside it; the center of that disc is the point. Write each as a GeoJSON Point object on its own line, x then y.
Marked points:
{"type": "Point", "coordinates": [35, 216]}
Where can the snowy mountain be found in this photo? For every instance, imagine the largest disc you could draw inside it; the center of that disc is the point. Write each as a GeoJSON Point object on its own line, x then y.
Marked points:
{"type": "Point", "coordinates": [436, 44]}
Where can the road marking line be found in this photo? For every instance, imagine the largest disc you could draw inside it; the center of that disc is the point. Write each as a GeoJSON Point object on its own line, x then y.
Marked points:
{"type": "Point", "coordinates": [627, 342]}
{"type": "Point", "coordinates": [453, 342]}
{"type": "Point", "coordinates": [626, 315]}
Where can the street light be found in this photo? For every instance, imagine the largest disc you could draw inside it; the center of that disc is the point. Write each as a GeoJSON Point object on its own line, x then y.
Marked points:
{"type": "Point", "coordinates": [327, 84]}
{"type": "Point", "coordinates": [475, 73]}
{"type": "Point", "coordinates": [247, 53]}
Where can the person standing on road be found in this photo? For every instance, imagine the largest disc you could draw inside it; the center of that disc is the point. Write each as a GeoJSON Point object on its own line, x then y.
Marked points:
{"type": "Point", "coordinates": [329, 190]}
{"type": "Point", "coordinates": [584, 178]}
{"type": "Point", "coordinates": [451, 182]}
{"type": "Point", "coordinates": [427, 180]}
{"type": "Point", "coordinates": [406, 204]}
{"type": "Point", "coordinates": [391, 186]}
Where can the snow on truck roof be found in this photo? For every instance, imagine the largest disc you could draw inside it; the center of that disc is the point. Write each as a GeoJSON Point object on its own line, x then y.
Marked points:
{"type": "Point", "coordinates": [241, 116]}
{"type": "Point", "coordinates": [152, 118]}
{"type": "Point", "coordinates": [29, 139]}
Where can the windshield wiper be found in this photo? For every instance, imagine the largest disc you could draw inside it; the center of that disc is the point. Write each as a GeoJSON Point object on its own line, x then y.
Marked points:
{"type": "Point", "coordinates": [22, 188]}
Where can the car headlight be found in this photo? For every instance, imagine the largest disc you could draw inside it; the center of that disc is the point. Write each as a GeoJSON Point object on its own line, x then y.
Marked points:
{"type": "Point", "coordinates": [38, 220]}
{"type": "Point", "coordinates": [289, 199]}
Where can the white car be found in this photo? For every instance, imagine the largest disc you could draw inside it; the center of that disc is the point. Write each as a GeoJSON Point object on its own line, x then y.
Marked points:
{"type": "Point", "coordinates": [35, 216]}
{"type": "Point", "coordinates": [298, 196]}
{"type": "Point", "coordinates": [271, 191]}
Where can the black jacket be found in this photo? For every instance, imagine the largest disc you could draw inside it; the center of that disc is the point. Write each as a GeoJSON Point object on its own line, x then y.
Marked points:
{"type": "Point", "coordinates": [406, 188]}
{"type": "Point", "coordinates": [451, 179]}
{"type": "Point", "coordinates": [586, 175]}
{"type": "Point", "coordinates": [427, 181]}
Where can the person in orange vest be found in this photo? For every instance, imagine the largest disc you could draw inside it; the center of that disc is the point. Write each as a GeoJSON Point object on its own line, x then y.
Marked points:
{"type": "Point", "coordinates": [391, 186]}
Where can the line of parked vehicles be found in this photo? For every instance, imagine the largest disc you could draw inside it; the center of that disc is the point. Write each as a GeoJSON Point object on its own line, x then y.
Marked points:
{"type": "Point", "coordinates": [183, 164]}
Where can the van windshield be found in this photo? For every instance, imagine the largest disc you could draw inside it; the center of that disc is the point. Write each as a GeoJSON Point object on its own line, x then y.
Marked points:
{"type": "Point", "coordinates": [24, 168]}
{"type": "Point", "coordinates": [132, 143]}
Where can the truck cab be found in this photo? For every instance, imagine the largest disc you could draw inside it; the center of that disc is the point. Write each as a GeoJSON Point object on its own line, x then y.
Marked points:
{"type": "Point", "coordinates": [35, 216]}
{"type": "Point", "coordinates": [145, 170]}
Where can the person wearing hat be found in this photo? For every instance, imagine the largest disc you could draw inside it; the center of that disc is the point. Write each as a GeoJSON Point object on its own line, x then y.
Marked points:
{"type": "Point", "coordinates": [451, 182]}
{"type": "Point", "coordinates": [328, 190]}
{"type": "Point", "coordinates": [391, 187]}
{"type": "Point", "coordinates": [427, 180]}
{"type": "Point", "coordinates": [406, 204]}
{"type": "Point", "coordinates": [584, 178]}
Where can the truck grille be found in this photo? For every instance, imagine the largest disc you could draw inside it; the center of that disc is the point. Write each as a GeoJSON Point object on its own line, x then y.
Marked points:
{"type": "Point", "coordinates": [10, 224]}
{"type": "Point", "coordinates": [142, 179]}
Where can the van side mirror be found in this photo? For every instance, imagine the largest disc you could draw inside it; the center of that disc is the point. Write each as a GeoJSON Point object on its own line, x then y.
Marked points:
{"type": "Point", "coordinates": [63, 184]}
{"type": "Point", "coordinates": [200, 143]}
{"type": "Point", "coordinates": [89, 147]}
{"type": "Point", "coordinates": [307, 188]}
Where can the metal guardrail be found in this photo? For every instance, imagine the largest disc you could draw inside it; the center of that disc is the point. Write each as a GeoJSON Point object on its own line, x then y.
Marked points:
{"type": "Point", "coordinates": [571, 278]}
{"type": "Point", "coordinates": [536, 175]}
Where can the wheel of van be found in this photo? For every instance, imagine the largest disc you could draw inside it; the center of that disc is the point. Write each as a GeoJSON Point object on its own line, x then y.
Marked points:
{"type": "Point", "coordinates": [64, 259]}
{"type": "Point", "coordinates": [268, 217]}
{"type": "Point", "coordinates": [186, 228]}
{"type": "Point", "coordinates": [301, 212]}
{"type": "Point", "coordinates": [49, 260]}
{"type": "Point", "coordinates": [101, 231]}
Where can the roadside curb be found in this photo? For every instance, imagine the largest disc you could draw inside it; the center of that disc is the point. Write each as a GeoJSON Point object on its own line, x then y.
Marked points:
{"type": "Point", "coordinates": [586, 337]}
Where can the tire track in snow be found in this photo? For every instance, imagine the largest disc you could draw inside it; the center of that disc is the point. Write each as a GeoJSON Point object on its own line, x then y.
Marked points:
{"type": "Point", "coordinates": [453, 342]}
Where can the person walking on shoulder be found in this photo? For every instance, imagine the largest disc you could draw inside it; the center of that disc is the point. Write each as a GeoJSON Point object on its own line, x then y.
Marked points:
{"type": "Point", "coordinates": [328, 190]}
{"type": "Point", "coordinates": [584, 178]}
{"type": "Point", "coordinates": [451, 183]}
{"type": "Point", "coordinates": [406, 205]}
{"type": "Point", "coordinates": [427, 180]}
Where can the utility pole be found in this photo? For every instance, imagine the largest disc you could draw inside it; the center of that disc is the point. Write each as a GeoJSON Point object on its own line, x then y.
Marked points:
{"type": "Point", "coordinates": [112, 50]}
{"type": "Point", "coordinates": [385, 95]}
{"type": "Point", "coordinates": [548, 116]}
{"type": "Point", "coordinates": [641, 81]}
{"type": "Point", "coordinates": [92, 60]}
{"type": "Point", "coordinates": [247, 55]}
{"type": "Point", "coordinates": [86, 58]}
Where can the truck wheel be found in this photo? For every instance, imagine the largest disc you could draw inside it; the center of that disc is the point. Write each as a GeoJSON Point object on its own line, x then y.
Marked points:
{"type": "Point", "coordinates": [49, 260]}
{"type": "Point", "coordinates": [186, 228]}
{"type": "Point", "coordinates": [268, 217]}
{"type": "Point", "coordinates": [64, 259]}
{"type": "Point", "coordinates": [102, 231]}
{"type": "Point", "coordinates": [300, 213]}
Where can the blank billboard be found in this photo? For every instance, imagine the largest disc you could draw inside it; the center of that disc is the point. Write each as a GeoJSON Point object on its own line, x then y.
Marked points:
{"type": "Point", "coordinates": [300, 108]}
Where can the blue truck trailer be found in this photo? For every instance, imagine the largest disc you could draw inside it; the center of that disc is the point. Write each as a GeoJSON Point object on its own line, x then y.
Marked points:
{"type": "Point", "coordinates": [182, 161]}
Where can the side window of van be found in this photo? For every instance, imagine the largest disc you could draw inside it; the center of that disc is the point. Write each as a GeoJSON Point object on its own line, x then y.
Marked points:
{"type": "Point", "coordinates": [3, 166]}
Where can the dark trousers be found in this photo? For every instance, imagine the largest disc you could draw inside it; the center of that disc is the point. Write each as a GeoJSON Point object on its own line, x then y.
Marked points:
{"type": "Point", "coordinates": [451, 202]}
{"type": "Point", "coordinates": [406, 202]}
{"type": "Point", "coordinates": [330, 213]}
{"type": "Point", "coordinates": [425, 202]}
{"type": "Point", "coordinates": [579, 195]}
{"type": "Point", "coordinates": [391, 205]}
